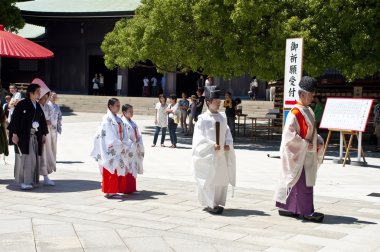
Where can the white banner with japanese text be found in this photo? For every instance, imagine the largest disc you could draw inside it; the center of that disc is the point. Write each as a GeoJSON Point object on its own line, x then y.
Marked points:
{"type": "Point", "coordinates": [293, 70]}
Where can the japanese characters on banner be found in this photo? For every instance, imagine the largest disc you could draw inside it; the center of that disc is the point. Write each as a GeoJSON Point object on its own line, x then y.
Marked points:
{"type": "Point", "coordinates": [293, 70]}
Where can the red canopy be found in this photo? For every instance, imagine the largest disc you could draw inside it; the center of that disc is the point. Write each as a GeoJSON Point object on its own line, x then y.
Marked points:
{"type": "Point", "coordinates": [12, 45]}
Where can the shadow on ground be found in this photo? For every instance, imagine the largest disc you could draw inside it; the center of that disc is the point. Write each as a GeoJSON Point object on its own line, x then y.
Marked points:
{"type": "Point", "coordinates": [335, 219]}
{"type": "Point", "coordinates": [61, 186]}
{"type": "Point", "coordinates": [228, 212]}
{"type": "Point", "coordinates": [263, 142]}
{"type": "Point", "coordinates": [6, 181]}
{"type": "Point", "coordinates": [139, 195]}
{"type": "Point", "coordinates": [70, 162]}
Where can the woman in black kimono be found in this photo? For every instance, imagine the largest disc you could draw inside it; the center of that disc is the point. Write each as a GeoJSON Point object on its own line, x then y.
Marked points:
{"type": "Point", "coordinates": [28, 130]}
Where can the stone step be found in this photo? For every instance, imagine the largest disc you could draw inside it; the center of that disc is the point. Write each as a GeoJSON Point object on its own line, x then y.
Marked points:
{"type": "Point", "coordinates": [141, 105]}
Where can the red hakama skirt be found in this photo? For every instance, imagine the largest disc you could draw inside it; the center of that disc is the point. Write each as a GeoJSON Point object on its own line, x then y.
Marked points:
{"type": "Point", "coordinates": [112, 183]}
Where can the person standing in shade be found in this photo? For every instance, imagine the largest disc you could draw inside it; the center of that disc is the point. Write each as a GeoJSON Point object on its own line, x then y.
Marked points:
{"type": "Point", "coordinates": [200, 103]}
{"type": "Point", "coordinates": [146, 90]}
{"type": "Point", "coordinates": [6, 106]}
{"type": "Point", "coordinates": [153, 80]}
{"type": "Point", "coordinates": [28, 130]}
{"type": "Point", "coordinates": [184, 106]}
{"type": "Point", "coordinates": [16, 97]}
{"type": "Point", "coordinates": [173, 119]}
{"type": "Point", "coordinates": [253, 86]}
{"type": "Point", "coordinates": [200, 82]}
{"type": "Point", "coordinates": [301, 154]}
{"type": "Point", "coordinates": [113, 150]}
{"type": "Point", "coordinates": [213, 155]}
{"type": "Point", "coordinates": [192, 114]}
{"type": "Point", "coordinates": [101, 84]}
{"type": "Point", "coordinates": [163, 85]}
{"type": "Point", "coordinates": [160, 120]}
{"type": "Point", "coordinates": [95, 85]}
{"type": "Point", "coordinates": [230, 106]}
{"type": "Point", "coordinates": [136, 164]}
{"type": "Point", "coordinates": [318, 110]}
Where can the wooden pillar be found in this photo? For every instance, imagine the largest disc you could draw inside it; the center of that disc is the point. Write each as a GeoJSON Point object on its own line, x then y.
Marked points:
{"type": "Point", "coordinates": [125, 82]}
{"type": "Point", "coordinates": [83, 61]}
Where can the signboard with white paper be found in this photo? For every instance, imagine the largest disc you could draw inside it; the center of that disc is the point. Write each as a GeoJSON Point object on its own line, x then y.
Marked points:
{"type": "Point", "coordinates": [293, 70]}
{"type": "Point", "coordinates": [346, 114]}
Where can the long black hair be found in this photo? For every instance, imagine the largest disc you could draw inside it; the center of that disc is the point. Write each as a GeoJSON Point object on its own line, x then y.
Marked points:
{"type": "Point", "coordinates": [112, 102]}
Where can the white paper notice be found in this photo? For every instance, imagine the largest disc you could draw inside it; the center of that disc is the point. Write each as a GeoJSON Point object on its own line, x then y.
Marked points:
{"type": "Point", "coordinates": [346, 114]}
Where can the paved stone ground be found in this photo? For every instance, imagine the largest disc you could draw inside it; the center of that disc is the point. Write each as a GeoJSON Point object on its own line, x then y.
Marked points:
{"type": "Point", "coordinates": [165, 215]}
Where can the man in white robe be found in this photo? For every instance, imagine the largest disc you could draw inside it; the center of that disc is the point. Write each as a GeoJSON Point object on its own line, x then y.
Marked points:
{"type": "Point", "coordinates": [301, 151]}
{"type": "Point", "coordinates": [213, 159]}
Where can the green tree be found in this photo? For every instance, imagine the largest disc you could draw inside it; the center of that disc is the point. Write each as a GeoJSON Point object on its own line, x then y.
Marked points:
{"type": "Point", "coordinates": [233, 37]}
{"type": "Point", "coordinates": [10, 15]}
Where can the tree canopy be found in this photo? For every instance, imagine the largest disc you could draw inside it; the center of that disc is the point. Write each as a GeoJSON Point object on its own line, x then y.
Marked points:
{"type": "Point", "coordinates": [231, 38]}
{"type": "Point", "coordinates": [10, 15]}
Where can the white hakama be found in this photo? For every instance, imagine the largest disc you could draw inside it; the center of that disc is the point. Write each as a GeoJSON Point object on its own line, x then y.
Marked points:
{"type": "Point", "coordinates": [214, 169]}
{"type": "Point", "coordinates": [48, 158]}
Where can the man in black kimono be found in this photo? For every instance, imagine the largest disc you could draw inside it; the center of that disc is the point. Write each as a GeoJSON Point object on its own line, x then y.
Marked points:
{"type": "Point", "coordinates": [28, 130]}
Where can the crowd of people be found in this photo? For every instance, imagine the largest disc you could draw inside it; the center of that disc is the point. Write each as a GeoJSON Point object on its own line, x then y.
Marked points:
{"type": "Point", "coordinates": [32, 125]}
{"type": "Point", "coordinates": [170, 115]}
{"type": "Point", "coordinates": [185, 112]}
{"type": "Point", "coordinates": [152, 87]}
{"type": "Point", "coordinates": [119, 150]}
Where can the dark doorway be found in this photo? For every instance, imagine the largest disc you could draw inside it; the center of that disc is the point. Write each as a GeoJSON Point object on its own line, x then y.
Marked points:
{"type": "Point", "coordinates": [136, 76]}
{"type": "Point", "coordinates": [187, 82]}
{"type": "Point", "coordinates": [96, 65]}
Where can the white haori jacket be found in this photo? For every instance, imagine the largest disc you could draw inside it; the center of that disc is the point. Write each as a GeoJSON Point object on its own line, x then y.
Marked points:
{"type": "Point", "coordinates": [295, 154]}
{"type": "Point", "coordinates": [136, 163]}
{"type": "Point", "coordinates": [112, 151]}
{"type": "Point", "coordinates": [212, 168]}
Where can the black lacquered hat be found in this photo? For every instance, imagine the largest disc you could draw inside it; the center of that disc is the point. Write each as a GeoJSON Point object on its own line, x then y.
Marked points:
{"type": "Point", "coordinates": [308, 84]}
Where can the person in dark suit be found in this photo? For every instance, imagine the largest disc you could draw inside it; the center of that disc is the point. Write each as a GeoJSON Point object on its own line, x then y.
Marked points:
{"type": "Point", "coordinates": [27, 131]}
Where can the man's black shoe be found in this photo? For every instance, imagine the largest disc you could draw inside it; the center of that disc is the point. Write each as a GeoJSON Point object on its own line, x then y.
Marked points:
{"type": "Point", "coordinates": [215, 210]}
{"type": "Point", "coordinates": [315, 217]}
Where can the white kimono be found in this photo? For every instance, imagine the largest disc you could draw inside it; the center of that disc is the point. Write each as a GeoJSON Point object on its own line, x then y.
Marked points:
{"type": "Point", "coordinates": [48, 158]}
{"type": "Point", "coordinates": [136, 163]}
{"type": "Point", "coordinates": [111, 151]}
{"type": "Point", "coordinates": [213, 170]}
{"type": "Point", "coordinates": [295, 154]}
